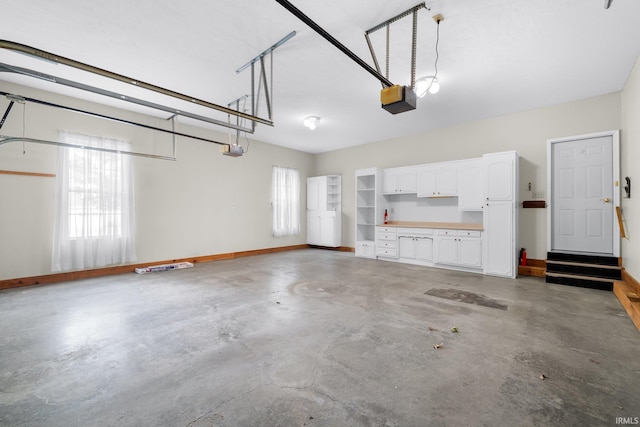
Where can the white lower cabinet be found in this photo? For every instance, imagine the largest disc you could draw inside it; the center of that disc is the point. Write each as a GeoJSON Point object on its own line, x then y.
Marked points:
{"type": "Point", "coordinates": [366, 249]}
{"type": "Point", "coordinates": [500, 249]}
{"type": "Point", "coordinates": [458, 247]}
{"type": "Point", "coordinates": [470, 251]}
{"type": "Point", "coordinates": [415, 244]}
{"type": "Point", "coordinates": [323, 228]}
{"type": "Point", "coordinates": [431, 247]}
{"type": "Point", "coordinates": [447, 247]}
{"type": "Point", "coordinates": [386, 242]}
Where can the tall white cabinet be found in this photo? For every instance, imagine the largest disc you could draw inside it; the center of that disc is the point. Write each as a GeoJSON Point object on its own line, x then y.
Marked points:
{"type": "Point", "coordinates": [500, 217]}
{"type": "Point", "coordinates": [369, 210]}
{"type": "Point", "coordinates": [324, 198]}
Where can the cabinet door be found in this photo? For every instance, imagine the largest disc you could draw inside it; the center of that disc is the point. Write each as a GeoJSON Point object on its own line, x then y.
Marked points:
{"type": "Point", "coordinates": [406, 247]}
{"type": "Point", "coordinates": [424, 248]}
{"type": "Point", "coordinates": [313, 193]}
{"type": "Point", "coordinates": [500, 179]}
{"type": "Point", "coordinates": [313, 228]}
{"type": "Point", "coordinates": [499, 248]}
{"type": "Point", "coordinates": [470, 251]}
{"type": "Point", "coordinates": [446, 250]}
{"type": "Point", "coordinates": [390, 182]}
{"type": "Point", "coordinates": [327, 229]}
{"type": "Point", "coordinates": [317, 193]}
{"type": "Point", "coordinates": [447, 180]}
{"type": "Point", "coordinates": [427, 181]}
{"type": "Point", "coordinates": [407, 180]}
{"type": "Point", "coordinates": [470, 185]}
{"type": "Point", "coordinates": [329, 234]}
{"type": "Point", "coordinates": [366, 249]}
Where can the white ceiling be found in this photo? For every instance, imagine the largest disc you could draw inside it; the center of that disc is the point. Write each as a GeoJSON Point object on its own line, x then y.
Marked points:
{"type": "Point", "coordinates": [496, 56]}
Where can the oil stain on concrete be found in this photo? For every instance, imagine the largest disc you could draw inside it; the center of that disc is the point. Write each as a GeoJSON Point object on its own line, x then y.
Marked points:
{"type": "Point", "coordinates": [466, 297]}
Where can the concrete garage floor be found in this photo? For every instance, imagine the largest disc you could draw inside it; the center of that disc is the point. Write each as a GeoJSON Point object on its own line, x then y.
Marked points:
{"type": "Point", "coordinates": [315, 338]}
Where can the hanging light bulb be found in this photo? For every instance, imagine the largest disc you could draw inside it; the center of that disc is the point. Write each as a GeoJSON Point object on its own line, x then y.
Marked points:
{"type": "Point", "coordinates": [427, 84]}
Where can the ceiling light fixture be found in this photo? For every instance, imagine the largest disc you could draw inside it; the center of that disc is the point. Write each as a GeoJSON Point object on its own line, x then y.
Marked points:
{"type": "Point", "coordinates": [427, 84]}
{"type": "Point", "coordinates": [430, 83]}
{"type": "Point", "coordinates": [311, 122]}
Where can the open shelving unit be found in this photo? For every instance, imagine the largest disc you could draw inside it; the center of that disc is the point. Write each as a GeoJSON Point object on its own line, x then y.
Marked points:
{"type": "Point", "coordinates": [368, 209]}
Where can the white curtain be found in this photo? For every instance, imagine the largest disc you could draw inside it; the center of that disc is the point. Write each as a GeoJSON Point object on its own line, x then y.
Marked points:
{"type": "Point", "coordinates": [286, 201]}
{"type": "Point", "coordinates": [94, 223]}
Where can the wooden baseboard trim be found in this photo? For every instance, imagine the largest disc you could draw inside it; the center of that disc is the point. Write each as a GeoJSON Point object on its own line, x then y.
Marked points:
{"type": "Point", "coordinates": [338, 249]}
{"type": "Point", "coordinates": [632, 281]}
{"type": "Point", "coordinates": [129, 268]}
{"type": "Point", "coordinates": [628, 293]}
{"type": "Point", "coordinates": [534, 267]}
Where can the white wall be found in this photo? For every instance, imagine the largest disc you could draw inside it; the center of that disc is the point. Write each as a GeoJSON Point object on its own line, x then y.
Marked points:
{"type": "Point", "coordinates": [206, 203]}
{"type": "Point", "coordinates": [203, 204]}
{"type": "Point", "coordinates": [526, 132]}
{"type": "Point", "coordinates": [629, 166]}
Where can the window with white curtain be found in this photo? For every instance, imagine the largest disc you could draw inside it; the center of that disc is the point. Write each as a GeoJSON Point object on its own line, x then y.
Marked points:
{"type": "Point", "coordinates": [286, 201]}
{"type": "Point", "coordinates": [94, 205]}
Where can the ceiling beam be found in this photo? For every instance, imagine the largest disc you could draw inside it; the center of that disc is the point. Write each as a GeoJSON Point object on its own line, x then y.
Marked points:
{"type": "Point", "coordinates": [318, 29]}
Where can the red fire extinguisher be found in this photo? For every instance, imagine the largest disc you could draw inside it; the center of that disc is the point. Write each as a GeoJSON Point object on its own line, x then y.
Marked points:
{"type": "Point", "coordinates": [386, 217]}
{"type": "Point", "coordinates": [523, 256]}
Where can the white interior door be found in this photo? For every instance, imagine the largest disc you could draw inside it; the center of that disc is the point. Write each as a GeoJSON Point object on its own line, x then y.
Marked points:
{"type": "Point", "coordinates": [582, 194]}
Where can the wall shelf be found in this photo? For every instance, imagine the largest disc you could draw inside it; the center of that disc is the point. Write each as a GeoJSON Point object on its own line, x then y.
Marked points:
{"type": "Point", "coordinates": [534, 204]}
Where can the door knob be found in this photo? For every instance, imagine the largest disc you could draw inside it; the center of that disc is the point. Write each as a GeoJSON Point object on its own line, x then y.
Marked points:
{"type": "Point", "coordinates": [606, 200]}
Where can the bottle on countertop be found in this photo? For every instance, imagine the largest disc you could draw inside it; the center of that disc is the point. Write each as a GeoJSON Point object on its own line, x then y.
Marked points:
{"type": "Point", "coordinates": [386, 217]}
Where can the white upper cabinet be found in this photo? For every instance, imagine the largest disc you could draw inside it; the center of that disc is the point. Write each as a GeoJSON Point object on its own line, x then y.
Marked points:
{"type": "Point", "coordinates": [500, 176]}
{"type": "Point", "coordinates": [399, 180]}
{"type": "Point", "coordinates": [470, 185]}
{"type": "Point", "coordinates": [324, 193]}
{"type": "Point", "coordinates": [438, 180]}
{"type": "Point", "coordinates": [316, 193]}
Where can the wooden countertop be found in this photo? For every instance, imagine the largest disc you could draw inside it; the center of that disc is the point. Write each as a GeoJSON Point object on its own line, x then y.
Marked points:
{"type": "Point", "coordinates": [426, 224]}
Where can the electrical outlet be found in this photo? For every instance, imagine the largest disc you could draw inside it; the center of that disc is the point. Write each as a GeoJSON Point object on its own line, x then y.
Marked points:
{"type": "Point", "coordinates": [538, 194]}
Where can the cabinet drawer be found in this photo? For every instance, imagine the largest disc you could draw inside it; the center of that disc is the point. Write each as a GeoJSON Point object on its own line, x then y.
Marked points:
{"type": "Point", "coordinates": [386, 244]}
{"type": "Point", "coordinates": [415, 232]}
{"type": "Point", "coordinates": [387, 230]}
{"type": "Point", "coordinates": [387, 252]}
{"type": "Point", "coordinates": [386, 236]}
{"type": "Point", "coordinates": [468, 233]}
{"type": "Point", "coordinates": [447, 232]}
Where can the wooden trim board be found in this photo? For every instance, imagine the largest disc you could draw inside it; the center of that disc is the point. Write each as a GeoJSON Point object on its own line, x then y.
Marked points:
{"type": "Point", "coordinates": [534, 204]}
{"type": "Point", "coordinates": [130, 268]}
{"type": "Point", "coordinates": [534, 267]}
{"type": "Point", "coordinates": [628, 293]}
{"type": "Point", "coordinates": [632, 281]}
{"type": "Point", "coordinates": [45, 175]}
{"type": "Point", "coordinates": [338, 249]}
